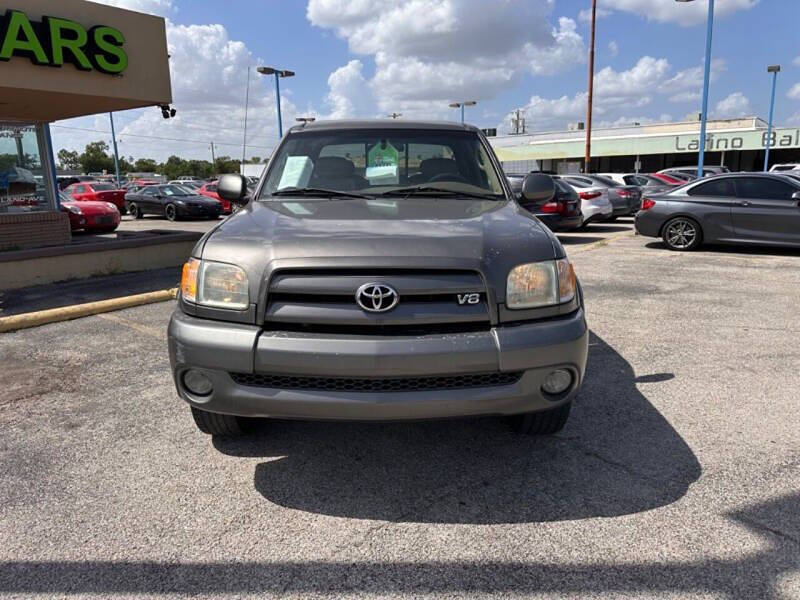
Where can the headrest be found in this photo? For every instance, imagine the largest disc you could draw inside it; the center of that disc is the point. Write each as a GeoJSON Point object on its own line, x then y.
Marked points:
{"type": "Point", "coordinates": [333, 166]}
{"type": "Point", "coordinates": [437, 166]}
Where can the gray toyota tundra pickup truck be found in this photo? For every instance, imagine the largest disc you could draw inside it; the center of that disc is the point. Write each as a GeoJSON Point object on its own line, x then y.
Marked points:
{"type": "Point", "coordinates": [380, 271]}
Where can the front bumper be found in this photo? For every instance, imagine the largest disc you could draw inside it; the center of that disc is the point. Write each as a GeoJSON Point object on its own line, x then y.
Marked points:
{"type": "Point", "coordinates": [198, 211]}
{"type": "Point", "coordinates": [220, 349]}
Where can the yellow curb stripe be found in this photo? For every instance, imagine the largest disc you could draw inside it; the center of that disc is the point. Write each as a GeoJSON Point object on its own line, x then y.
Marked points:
{"type": "Point", "coordinates": [76, 311]}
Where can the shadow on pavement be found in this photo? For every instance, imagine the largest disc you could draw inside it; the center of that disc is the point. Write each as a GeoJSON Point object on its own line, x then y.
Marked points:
{"type": "Point", "coordinates": [755, 575]}
{"type": "Point", "coordinates": [732, 249]}
{"type": "Point", "coordinates": [616, 456]}
{"type": "Point", "coordinates": [603, 228]}
{"type": "Point", "coordinates": [577, 240]}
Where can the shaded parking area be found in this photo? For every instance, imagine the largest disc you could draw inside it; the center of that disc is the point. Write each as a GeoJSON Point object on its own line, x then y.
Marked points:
{"type": "Point", "coordinates": [676, 476]}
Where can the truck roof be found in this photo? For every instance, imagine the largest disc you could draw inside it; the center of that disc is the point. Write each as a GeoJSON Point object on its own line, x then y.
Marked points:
{"type": "Point", "coordinates": [383, 124]}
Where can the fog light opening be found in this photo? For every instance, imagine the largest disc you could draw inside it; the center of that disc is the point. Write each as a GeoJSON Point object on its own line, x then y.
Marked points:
{"type": "Point", "coordinates": [557, 382]}
{"type": "Point", "coordinates": [197, 383]}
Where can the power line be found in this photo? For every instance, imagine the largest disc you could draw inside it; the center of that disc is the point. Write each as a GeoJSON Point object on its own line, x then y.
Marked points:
{"type": "Point", "coordinates": [155, 137]}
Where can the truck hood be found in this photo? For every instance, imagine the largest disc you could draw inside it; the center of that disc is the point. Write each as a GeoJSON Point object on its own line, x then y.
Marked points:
{"type": "Point", "coordinates": [489, 236]}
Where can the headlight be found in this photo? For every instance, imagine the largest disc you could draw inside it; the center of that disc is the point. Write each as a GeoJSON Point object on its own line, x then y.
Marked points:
{"type": "Point", "coordinates": [111, 205]}
{"type": "Point", "coordinates": [540, 284]}
{"type": "Point", "coordinates": [74, 210]}
{"type": "Point", "coordinates": [215, 284]}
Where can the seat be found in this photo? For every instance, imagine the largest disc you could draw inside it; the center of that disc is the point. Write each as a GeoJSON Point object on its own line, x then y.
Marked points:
{"type": "Point", "coordinates": [431, 167]}
{"type": "Point", "coordinates": [336, 173]}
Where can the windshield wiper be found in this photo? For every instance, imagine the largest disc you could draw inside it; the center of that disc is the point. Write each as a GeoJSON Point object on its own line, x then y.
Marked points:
{"type": "Point", "coordinates": [296, 191]}
{"type": "Point", "coordinates": [412, 190]}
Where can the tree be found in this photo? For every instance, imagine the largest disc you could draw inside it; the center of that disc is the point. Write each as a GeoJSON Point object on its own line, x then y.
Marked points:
{"type": "Point", "coordinates": [145, 165]}
{"type": "Point", "coordinates": [255, 160]}
{"type": "Point", "coordinates": [226, 164]}
{"type": "Point", "coordinates": [69, 160]}
{"type": "Point", "coordinates": [95, 158]}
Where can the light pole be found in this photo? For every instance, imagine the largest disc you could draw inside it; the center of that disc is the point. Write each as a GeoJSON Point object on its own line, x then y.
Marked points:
{"type": "Point", "coordinates": [116, 154]}
{"type": "Point", "coordinates": [278, 74]}
{"type": "Point", "coordinates": [461, 105]}
{"type": "Point", "coordinates": [587, 159]}
{"type": "Point", "coordinates": [706, 77]}
{"type": "Point", "coordinates": [774, 69]}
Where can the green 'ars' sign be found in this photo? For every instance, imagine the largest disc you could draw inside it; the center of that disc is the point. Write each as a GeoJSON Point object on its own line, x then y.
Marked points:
{"type": "Point", "coordinates": [54, 41]}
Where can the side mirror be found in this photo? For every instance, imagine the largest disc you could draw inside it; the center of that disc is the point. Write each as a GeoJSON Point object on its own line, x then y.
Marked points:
{"type": "Point", "coordinates": [796, 196]}
{"type": "Point", "coordinates": [538, 188]}
{"type": "Point", "coordinates": [233, 188]}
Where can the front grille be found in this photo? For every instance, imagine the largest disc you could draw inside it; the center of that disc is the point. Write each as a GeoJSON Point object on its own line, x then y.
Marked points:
{"type": "Point", "coordinates": [395, 384]}
{"type": "Point", "coordinates": [323, 301]}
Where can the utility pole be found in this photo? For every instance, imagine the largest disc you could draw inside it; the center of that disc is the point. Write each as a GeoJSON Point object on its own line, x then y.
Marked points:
{"type": "Point", "coordinates": [519, 122]}
{"type": "Point", "coordinates": [246, 103]}
{"type": "Point", "coordinates": [395, 115]}
{"type": "Point", "coordinates": [588, 157]}
{"type": "Point", "coordinates": [116, 154]}
{"type": "Point", "coordinates": [213, 156]}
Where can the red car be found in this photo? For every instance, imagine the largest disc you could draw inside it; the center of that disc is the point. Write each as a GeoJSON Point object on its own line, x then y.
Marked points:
{"type": "Point", "coordinates": [210, 190]}
{"type": "Point", "coordinates": [90, 215]}
{"type": "Point", "coordinates": [666, 178]}
{"type": "Point", "coordinates": [97, 191]}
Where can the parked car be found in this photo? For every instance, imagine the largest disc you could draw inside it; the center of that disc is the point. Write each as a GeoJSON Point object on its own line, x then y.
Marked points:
{"type": "Point", "coordinates": [210, 190]}
{"type": "Point", "coordinates": [785, 167]}
{"type": "Point", "coordinates": [737, 208]}
{"type": "Point", "coordinates": [171, 201]}
{"type": "Point", "coordinates": [192, 185]}
{"type": "Point", "coordinates": [595, 205]}
{"type": "Point", "coordinates": [691, 171]}
{"type": "Point", "coordinates": [626, 199]}
{"type": "Point", "coordinates": [669, 180]}
{"type": "Point", "coordinates": [97, 191]}
{"type": "Point", "coordinates": [646, 183]}
{"type": "Point", "coordinates": [90, 215]}
{"type": "Point", "coordinates": [415, 288]}
{"type": "Point", "coordinates": [561, 213]}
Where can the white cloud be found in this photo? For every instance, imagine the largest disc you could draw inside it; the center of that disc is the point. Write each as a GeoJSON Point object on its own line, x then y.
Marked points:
{"type": "Point", "coordinates": [613, 48]}
{"type": "Point", "coordinates": [669, 11]}
{"type": "Point", "coordinates": [794, 119]}
{"type": "Point", "coordinates": [685, 97]}
{"type": "Point", "coordinates": [796, 61]}
{"type": "Point", "coordinates": [642, 78]}
{"type": "Point", "coordinates": [431, 52]}
{"type": "Point", "coordinates": [794, 92]}
{"type": "Point", "coordinates": [209, 78]}
{"type": "Point", "coordinates": [735, 105]}
{"type": "Point", "coordinates": [585, 16]}
{"type": "Point", "coordinates": [349, 93]}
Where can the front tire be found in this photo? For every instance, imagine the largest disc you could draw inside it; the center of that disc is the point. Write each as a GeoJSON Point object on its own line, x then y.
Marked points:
{"type": "Point", "coordinates": [171, 212]}
{"type": "Point", "coordinates": [133, 211]}
{"type": "Point", "coordinates": [218, 424]}
{"type": "Point", "coordinates": [682, 234]}
{"type": "Point", "coordinates": [545, 422]}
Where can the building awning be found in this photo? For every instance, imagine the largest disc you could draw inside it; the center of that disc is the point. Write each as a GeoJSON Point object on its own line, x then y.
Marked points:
{"type": "Point", "coordinates": [102, 59]}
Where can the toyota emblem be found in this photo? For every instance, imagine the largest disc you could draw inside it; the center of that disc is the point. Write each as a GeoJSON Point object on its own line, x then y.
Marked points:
{"type": "Point", "coordinates": [377, 297]}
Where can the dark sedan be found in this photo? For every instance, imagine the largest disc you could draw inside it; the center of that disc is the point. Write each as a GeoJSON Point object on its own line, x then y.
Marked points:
{"type": "Point", "coordinates": [740, 208]}
{"type": "Point", "coordinates": [171, 201]}
{"type": "Point", "coordinates": [560, 213]}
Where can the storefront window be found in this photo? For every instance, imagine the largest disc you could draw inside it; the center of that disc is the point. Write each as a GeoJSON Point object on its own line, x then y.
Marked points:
{"type": "Point", "coordinates": [23, 183]}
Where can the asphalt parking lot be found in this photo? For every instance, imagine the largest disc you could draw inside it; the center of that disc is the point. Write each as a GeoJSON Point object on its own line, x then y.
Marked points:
{"type": "Point", "coordinates": [677, 475]}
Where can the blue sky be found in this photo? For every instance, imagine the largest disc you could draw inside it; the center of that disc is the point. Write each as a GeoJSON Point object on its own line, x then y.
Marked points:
{"type": "Point", "coordinates": [355, 58]}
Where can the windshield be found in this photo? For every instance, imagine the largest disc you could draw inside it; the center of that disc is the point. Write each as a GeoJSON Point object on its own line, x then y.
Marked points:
{"type": "Point", "coordinates": [176, 190]}
{"type": "Point", "coordinates": [377, 162]}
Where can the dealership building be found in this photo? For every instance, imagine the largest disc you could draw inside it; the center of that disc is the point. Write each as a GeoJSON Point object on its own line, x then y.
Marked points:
{"type": "Point", "coordinates": [738, 144]}
{"type": "Point", "coordinates": [61, 59]}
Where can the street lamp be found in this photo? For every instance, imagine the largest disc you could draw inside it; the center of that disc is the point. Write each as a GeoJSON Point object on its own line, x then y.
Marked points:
{"type": "Point", "coordinates": [278, 74]}
{"type": "Point", "coordinates": [774, 69]}
{"type": "Point", "coordinates": [461, 105]}
{"type": "Point", "coordinates": [706, 76]}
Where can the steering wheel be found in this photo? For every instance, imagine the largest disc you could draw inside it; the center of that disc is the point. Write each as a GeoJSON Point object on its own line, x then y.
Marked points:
{"type": "Point", "coordinates": [448, 177]}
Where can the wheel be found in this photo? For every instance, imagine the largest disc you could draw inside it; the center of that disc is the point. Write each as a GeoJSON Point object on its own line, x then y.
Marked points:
{"type": "Point", "coordinates": [134, 211]}
{"type": "Point", "coordinates": [682, 234]}
{"type": "Point", "coordinates": [542, 423]}
{"type": "Point", "coordinates": [171, 212]}
{"type": "Point", "coordinates": [218, 424]}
